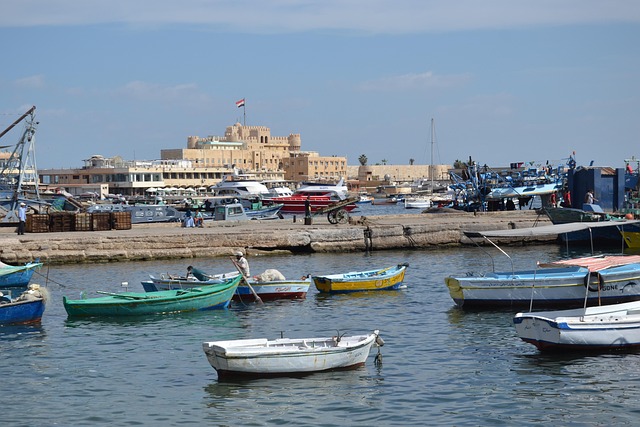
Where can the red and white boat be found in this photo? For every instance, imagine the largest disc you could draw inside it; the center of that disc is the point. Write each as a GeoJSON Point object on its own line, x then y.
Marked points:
{"type": "Point", "coordinates": [319, 196]}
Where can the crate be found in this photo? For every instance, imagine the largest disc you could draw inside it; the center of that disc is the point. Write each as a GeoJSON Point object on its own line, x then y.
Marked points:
{"type": "Point", "coordinates": [121, 220]}
{"type": "Point", "coordinates": [61, 221]}
{"type": "Point", "coordinates": [101, 221]}
{"type": "Point", "coordinates": [83, 222]}
{"type": "Point", "coordinates": [37, 223]}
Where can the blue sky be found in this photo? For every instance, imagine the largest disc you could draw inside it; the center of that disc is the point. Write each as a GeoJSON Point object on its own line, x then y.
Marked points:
{"type": "Point", "coordinates": [504, 80]}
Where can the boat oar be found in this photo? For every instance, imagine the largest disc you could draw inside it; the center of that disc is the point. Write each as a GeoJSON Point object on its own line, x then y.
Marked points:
{"type": "Point", "coordinates": [122, 295]}
{"type": "Point", "coordinates": [258, 299]}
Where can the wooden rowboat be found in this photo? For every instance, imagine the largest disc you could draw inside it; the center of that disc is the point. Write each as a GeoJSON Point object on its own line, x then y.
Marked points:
{"type": "Point", "coordinates": [372, 280]}
{"type": "Point", "coordinates": [25, 309]}
{"type": "Point", "coordinates": [140, 303]}
{"type": "Point", "coordinates": [288, 356]}
{"type": "Point", "coordinates": [601, 328]}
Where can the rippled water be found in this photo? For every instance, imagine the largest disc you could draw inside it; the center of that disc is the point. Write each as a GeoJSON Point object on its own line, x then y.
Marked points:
{"type": "Point", "coordinates": [441, 365]}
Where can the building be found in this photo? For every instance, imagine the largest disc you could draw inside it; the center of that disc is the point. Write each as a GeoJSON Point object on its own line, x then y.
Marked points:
{"type": "Point", "coordinates": [202, 164]}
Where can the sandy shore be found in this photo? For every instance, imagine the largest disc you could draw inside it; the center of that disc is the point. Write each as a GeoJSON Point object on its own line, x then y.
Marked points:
{"type": "Point", "coordinates": [163, 241]}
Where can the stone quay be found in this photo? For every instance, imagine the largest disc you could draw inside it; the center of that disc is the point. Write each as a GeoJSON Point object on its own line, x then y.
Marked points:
{"type": "Point", "coordinates": [221, 238]}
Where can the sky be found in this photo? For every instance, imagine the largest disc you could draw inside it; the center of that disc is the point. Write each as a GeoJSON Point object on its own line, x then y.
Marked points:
{"type": "Point", "coordinates": [504, 81]}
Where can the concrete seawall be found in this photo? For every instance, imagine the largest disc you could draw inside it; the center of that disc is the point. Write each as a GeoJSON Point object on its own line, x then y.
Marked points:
{"type": "Point", "coordinates": [165, 241]}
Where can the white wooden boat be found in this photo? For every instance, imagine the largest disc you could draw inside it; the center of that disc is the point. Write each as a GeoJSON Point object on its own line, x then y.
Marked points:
{"type": "Point", "coordinates": [602, 328]}
{"type": "Point", "coordinates": [268, 285]}
{"type": "Point", "coordinates": [288, 356]}
{"type": "Point", "coordinates": [600, 279]}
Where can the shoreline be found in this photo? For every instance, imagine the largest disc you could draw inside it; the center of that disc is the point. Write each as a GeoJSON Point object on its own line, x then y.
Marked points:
{"type": "Point", "coordinates": [220, 238]}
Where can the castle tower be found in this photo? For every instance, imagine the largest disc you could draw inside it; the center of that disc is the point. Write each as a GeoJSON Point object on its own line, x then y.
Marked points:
{"type": "Point", "coordinates": [295, 142]}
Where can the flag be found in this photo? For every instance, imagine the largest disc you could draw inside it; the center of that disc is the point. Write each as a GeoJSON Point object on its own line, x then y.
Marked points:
{"type": "Point", "coordinates": [240, 103]}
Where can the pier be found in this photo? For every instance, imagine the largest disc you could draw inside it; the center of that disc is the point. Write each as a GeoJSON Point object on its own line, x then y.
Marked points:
{"type": "Point", "coordinates": [221, 238]}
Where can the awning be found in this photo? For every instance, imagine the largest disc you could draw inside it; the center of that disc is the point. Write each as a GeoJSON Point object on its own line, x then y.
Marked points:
{"type": "Point", "coordinates": [596, 263]}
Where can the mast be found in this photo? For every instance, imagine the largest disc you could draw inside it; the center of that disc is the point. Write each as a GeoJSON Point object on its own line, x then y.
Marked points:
{"type": "Point", "coordinates": [433, 131]}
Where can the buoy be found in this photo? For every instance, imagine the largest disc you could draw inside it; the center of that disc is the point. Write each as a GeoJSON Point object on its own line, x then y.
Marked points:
{"type": "Point", "coordinates": [629, 216]}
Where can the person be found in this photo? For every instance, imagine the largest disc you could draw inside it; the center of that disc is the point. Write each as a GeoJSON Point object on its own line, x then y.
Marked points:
{"type": "Point", "coordinates": [188, 219]}
{"type": "Point", "coordinates": [242, 263]}
{"type": "Point", "coordinates": [199, 221]}
{"type": "Point", "coordinates": [589, 198]}
{"type": "Point", "coordinates": [553, 202]}
{"type": "Point", "coordinates": [566, 198]}
{"type": "Point", "coordinates": [22, 217]}
{"type": "Point", "coordinates": [189, 274]}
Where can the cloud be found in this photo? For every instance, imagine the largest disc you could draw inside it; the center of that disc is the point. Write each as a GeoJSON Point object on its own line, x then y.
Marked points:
{"type": "Point", "coordinates": [30, 82]}
{"type": "Point", "coordinates": [423, 81]}
{"type": "Point", "coordinates": [281, 16]}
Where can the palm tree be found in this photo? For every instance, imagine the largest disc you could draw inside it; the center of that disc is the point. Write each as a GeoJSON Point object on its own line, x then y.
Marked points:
{"type": "Point", "coordinates": [363, 160]}
{"type": "Point", "coordinates": [383, 161]}
{"type": "Point", "coordinates": [411, 161]}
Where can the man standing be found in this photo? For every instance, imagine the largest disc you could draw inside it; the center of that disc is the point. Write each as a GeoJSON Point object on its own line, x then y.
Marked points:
{"type": "Point", "coordinates": [22, 217]}
{"type": "Point", "coordinates": [242, 264]}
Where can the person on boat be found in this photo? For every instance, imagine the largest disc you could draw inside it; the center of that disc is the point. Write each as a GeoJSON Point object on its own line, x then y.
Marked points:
{"type": "Point", "coordinates": [22, 217]}
{"type": "Point", "coordinates": [566, 198]}
{"type": "Point", "coordinates": [589, 198]}
{"type": "Point", "coordinates": [242, 264]}
{"type": "Point", "coordinates": [189, 272]}
{"type": "Point", "coordinates": [553, 200]}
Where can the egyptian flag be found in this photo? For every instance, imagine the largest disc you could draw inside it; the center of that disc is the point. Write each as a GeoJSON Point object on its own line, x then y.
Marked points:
{"type": "Point", "coordinates": [240, 103]}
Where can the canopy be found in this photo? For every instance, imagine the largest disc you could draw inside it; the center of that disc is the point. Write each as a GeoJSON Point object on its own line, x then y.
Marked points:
{"type": "Point", "coordinates": [596, 263]}
{"type": "Point", "coordinates": [550, 230]}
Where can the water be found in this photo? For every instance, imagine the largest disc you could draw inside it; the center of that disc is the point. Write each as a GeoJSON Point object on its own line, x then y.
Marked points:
{"type": "Point", "coordinates": [441, 365]}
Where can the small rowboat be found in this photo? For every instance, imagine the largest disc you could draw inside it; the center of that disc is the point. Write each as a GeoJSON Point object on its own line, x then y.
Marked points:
{"type": "Point", "coordinates": [287, 356]}
{"type": "Point", "coordinates": [25, 309]}
{"type": "Point", "coordinates": [373, 280]}
{"type": "Point", "coordinates": [267, 290]}
{"type": "Point", "coordinates": [140, 303]}
{"type": "Point", "coordinates": [601, 328]}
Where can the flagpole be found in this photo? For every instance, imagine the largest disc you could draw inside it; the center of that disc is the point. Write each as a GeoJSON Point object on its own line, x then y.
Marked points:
{"type": "Point", "coordinates": [244, 113]}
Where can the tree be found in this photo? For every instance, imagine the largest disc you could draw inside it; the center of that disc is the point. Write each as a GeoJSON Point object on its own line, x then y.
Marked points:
{"type": "Point", "coordinates": [383, 161]}
{"type": "Point", "coordinates": [411, 161]}
{"type": "Point", "coordinates": [363, 160]}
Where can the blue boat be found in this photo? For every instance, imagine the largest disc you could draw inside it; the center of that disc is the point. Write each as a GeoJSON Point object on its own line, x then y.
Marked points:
{"type": "Point", "coordinates": [17, 276]}
{"type": "Point", "coordinates": [27, 308]}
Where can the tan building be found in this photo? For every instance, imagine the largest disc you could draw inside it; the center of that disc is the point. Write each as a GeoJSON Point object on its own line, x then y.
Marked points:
{"type": "Point", "coordinates": [310, 166]}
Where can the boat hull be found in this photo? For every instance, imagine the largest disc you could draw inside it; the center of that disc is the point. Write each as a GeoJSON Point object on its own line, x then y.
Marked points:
{"type": "Point", "coordinates": [267, 291]}
{"type": "Point", "coordinates": [22, 312]}
{"type": "Point", "coordinates": [374, 280]}
{"type": "Point", "coordinates": [297, 204]}
{"type": "Point", "coordinates": [549, 287]}
{"type": "Point", "coordinates": [17, 276]}
{"type": "Point", "coordinates": [603, 328]}
{"type": "Point", "coordinates": [286, 357]}
{"type": "Point", "coordinates": [172, 301]}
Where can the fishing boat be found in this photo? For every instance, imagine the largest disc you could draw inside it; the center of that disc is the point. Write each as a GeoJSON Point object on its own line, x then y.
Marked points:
{"type": "Point", "coordinates": [26, 308]}
{"type": "Point", "coordinates": [142, 214]}
{"type": "Point", "coordinates": [600, 328]}
{"type": "Point", "coordinates": [566, 283]}
{"type": "Point", "coordinates": [288, 356]}
{"type": "Point", "coordinates": [17, 276]}
{"type": "Point", "coordinates": [373, 280]}
{"type": "Point", "coordinates": [269, 285]}
{"type": "Point", "coordinates": [140, 303]}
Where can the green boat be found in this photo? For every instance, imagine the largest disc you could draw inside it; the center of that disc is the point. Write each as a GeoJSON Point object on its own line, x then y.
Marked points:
{"type": "Point", "coordinates": [140, 303]}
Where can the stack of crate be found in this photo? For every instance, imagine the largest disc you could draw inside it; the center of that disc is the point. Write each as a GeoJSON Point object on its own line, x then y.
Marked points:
{"type": "Point", "coordinates": [101, 221]}
{"type": "Point", "coordinates": [83, 222]}
{"type": "Point", "coordinates": [37, 223]}
{"type": "Point", "coordinates": [121, 220]}
{"type": "Point", "coordinates": [62, 221]}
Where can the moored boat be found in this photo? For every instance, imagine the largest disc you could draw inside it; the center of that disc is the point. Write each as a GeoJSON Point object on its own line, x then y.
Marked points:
{"type": "Point", "coordinates": [373, 280]}
{"type": "Point", "coordinates": [139, 303]}
{"type": "Point", "coordinates": [26, 308]}
{"type": "Point", "coordinates": [268, 285]}
{"type": "Point", "coordinates": [600, 328]}
{"type": "Point", "coordinates": [288, 356]}
{"type": "Point", "coordinates": [17, 276]}
{"type": "Point", "coordinates": [567, 283]}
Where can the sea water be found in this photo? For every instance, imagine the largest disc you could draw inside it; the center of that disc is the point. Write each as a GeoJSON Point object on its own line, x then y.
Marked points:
{"type": "Point", "coordinates": [440, 365]}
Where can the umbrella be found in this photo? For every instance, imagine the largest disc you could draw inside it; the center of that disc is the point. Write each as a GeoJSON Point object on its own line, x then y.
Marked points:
{"type": "Point", "coordinates": [151, 190]}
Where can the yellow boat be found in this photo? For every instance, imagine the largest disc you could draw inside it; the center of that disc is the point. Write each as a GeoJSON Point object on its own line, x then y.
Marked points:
{"type": "Point", "coordinates": [372, 280]}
